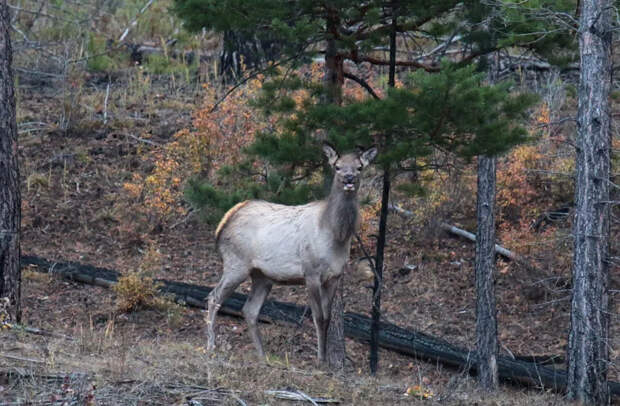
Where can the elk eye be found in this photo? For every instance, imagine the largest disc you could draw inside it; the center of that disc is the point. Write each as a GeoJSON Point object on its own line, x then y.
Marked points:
{"type": "Point", "coordinates": [359, 168]}
{"type": "Point", "coordinates": [337, 167]}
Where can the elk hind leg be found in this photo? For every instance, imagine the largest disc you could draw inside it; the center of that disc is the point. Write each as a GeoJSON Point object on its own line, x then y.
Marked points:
{"type": "Point", "coordinates": [251, 309]}
{"type": "Point", "coordinates": [231, 278]}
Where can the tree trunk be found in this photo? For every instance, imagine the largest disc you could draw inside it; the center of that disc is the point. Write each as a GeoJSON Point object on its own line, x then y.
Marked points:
{"type": "Point", "coordinates": [385, 201]}
{"type": "Point", "coordinates": [487, 348]}
{"type": "Point", "coordinates": [588, 353]}
{"type": "Point", "coordinates": [486, 313]}
{"type": "Point", "coordinates": [243, 50]}
{"type": "Point", "coordinates": [334, 68]}
{"type": "Point", "coordinates": [336, 351]}
{"type": "Point", "coordinates": [333, 82]}
{"type": "Point", "coordinates": [378, 278]}
{"type": "Point", "coordinates": [10, 201]}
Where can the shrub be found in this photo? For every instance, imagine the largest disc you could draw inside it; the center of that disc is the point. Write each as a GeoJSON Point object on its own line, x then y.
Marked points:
{"type": "Point", "coordinates": [135, 291]}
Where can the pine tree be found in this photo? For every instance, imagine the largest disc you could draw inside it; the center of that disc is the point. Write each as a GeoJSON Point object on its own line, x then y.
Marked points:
{"type": "Point", "coordinates": [443, 106]}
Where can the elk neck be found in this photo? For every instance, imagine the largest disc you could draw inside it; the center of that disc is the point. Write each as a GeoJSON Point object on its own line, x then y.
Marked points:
{"type": "Point", "coordinates": [340, 214]}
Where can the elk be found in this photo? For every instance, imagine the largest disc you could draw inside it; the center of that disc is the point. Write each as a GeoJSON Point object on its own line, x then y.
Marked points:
{"type": "Point", "coordinates": [291, 245]}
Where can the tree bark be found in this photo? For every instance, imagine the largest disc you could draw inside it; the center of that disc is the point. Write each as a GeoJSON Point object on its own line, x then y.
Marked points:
{"type": "Point", "coordinates": [334, 67]}
{"type": "Point", "coordinates": [333, 82]}
{"type": "Point", "coordinates": [486, 312]}
{"type": "Point", "coordinates": [378, 277]}
{"type": "Point", "coordinates": [336, 351]}
{"type": "Point", "coordinates": [10, 200]}
{"type": "Point", "coordinates": [588, 353]}
{"type": "Point", "coordinates": [487, 347]}
{"type": "Point", "coordinates": [385, 201]}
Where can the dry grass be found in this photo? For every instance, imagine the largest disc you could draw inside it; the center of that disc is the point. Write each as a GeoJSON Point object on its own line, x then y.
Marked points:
{"type": "Point", "coordinates": [141, 358]}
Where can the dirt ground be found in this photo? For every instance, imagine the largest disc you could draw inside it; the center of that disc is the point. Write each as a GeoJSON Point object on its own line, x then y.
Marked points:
{"type": "Point", "coordinates": [71, 182]}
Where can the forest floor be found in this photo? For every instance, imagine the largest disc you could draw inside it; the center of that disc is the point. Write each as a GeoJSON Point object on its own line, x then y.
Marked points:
{"type": "Point", "coordinates": [72, 183]}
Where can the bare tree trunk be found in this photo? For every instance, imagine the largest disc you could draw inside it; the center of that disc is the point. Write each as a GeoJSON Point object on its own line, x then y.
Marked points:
{"type": "Point", "coordinates": [487, 347]}
{"type": "Point", "coordinates": [486, 313]}
{"type": "Point", "coordinates": [334, 68]}
{"type": "Point", "coordinates": [588, 353]}
{"type": "Point", "coordinates": [10, 200]}
{"type": "Point", "coordinates": [243, 49]}
{"type": "Point", "coordinates": [385, 202]}
{"type": "Point", "coordinates": [336, 351]}
{"type": "Point", "coordinates": [333, 82]}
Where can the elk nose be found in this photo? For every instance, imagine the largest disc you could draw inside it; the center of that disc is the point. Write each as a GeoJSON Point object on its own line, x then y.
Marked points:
{"type": "Point", "coordinates": [349, 179]}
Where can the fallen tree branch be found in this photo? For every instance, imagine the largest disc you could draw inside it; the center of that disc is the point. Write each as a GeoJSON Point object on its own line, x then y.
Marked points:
{"type": "Point", "coordinates": [298, 395]}
{"type": "Point", "coordinates": [357, 326]}
{"type": "Point", "coordinates": [20, 373]}
{"type": "Point", "coordinates": [18, 358]}
{"type": "Point", "coordinates": [472, 237]}
{"type": "Point", "coordinates": [37, 331]}
{"type": "Point", "coordinates": [135, 20]}
{"type": "Point", "coordinates": [469, 236]}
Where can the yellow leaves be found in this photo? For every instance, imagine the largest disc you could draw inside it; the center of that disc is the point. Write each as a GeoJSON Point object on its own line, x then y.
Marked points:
{"type": "Point", "coordinates": [419, 392]}
{"type": "Point", "coordinates": [137, 290]}
{"type": "Point", "coordinates": [134, 189]}
{"type": "Point", "coordinates": [544, 116]}
{"type": "Point", "coordinates": [515, 179]}
{"type": "Point", "coordinates": [214, 140]}
{"type": "Point", "coordinates": [5, 317]}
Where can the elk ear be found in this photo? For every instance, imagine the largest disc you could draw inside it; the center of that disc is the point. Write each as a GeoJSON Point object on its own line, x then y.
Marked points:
{"type": "Point", "coordinates": [330, 153]}
{"type": "Point", "coordinates": [368, 156]}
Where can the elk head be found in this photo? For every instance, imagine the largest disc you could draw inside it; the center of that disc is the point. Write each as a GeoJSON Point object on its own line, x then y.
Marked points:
{"type": "Point", "coordinates": [348, 167]}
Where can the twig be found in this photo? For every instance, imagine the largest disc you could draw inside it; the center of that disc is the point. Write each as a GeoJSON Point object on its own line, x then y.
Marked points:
{"type": "Point", "coordinates": [298, 395]}
{"type": "Point", "coordinates": [135, 21]}
{"type": "Point", "coordinates": [33, 330]}
{"type": "Point", "coordinates": [308, 398]}
{"type": "Point", "coordinates": [61, 376]}
{"type": "Point", "coordinates": [143, 140]}
{"type": "Point", "coordinates": [238, 399]}
{"type": "Point", "coordinates": [366, 255]}
{"type": "Point", "coordinates": [105, 103]}
{"type": "Point", "coordinates": [183, 220]}
{"type": "Point", "coordinates": [15, 357]}
{"type": "Point", "coordinates": [40, 14]}
{"type": "Point", "coordinates": [36, 72]}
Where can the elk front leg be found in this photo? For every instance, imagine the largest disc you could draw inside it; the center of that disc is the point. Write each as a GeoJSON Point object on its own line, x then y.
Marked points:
{"type": "Point", "coordinates": [327, 298]}
{"type": "Point", "coordinates": [314, 298]}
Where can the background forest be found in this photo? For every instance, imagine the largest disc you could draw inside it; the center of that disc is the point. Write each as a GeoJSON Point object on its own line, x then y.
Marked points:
{"type": "Point", "coordinates": [137, 133]}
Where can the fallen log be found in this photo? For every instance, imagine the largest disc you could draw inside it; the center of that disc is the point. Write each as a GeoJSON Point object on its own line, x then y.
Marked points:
{"type": "Point", "coordinates": [357, 326]}
{"type": "Point", "coordinates": [183, 293]}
